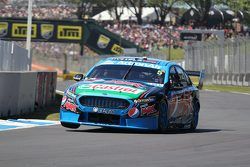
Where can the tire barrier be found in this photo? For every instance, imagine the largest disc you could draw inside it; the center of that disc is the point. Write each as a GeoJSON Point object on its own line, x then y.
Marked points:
{"type": "Point", "coordinates": [22, 92]}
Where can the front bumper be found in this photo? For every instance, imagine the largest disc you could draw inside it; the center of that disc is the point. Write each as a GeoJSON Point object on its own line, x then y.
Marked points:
{"type": "Point", "coordinates": [85, 118]}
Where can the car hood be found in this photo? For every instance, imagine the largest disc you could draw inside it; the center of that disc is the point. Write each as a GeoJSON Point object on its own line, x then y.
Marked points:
{"type": "Point", "coordinates": [110, 88]}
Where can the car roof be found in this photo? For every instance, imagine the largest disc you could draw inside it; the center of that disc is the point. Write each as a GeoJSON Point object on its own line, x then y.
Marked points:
{"type": "Point", "coordinates": [141, 59]}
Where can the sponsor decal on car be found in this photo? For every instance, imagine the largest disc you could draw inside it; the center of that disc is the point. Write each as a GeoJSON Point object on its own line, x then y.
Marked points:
{"type": "Point", "coordinates": [160, 72]}
{"type": "Point", "coordinates": [145, 60]}
{"type": "Point", "coordinates": [137, 85]}
{"type": "Point", "coordinates": [144, 100]}
{"type": "Point", "coordinates": [70, 106]}
{"type": "Point", "coordinates": [95, 109]}
{"type": "Point", "coordinates": [148, 110]}
{"type": "Point", "coordinates": [64, 99]}
{"type": "Point", "coordinates": [103, 111]}
{"type": "Point", "coordinates": [133, 113]}
{"type": "Point", "coordinates": [116, 88]}
{"type": "Point", "coordinates": [141, 64]}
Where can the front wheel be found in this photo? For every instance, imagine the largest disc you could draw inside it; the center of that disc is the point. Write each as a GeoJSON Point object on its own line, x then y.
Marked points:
{"type": "Point", "coordinates": [163, 116]}
{"type": "Point", "coordinates": [195, 119]}
{"type": "Point", "coordinates": [70, 125]}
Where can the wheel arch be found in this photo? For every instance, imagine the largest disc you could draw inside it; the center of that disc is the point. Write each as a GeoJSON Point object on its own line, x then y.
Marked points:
{"type": "Point", "coordinates": [196, 100]}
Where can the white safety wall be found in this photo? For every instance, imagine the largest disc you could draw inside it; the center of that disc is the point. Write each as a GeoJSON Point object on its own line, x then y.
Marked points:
{"type": "Point", "coordinates": [17, 93]}
{"type": "Point", "coordinates": [21, 91]}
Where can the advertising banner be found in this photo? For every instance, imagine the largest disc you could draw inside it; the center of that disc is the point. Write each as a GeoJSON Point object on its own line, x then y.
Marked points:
{"type": "Point", "coordinates": [42, 30]}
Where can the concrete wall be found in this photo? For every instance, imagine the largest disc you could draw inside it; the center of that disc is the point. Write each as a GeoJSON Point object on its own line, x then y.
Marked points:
{"type": "Point", "coordinates": [19, 92]}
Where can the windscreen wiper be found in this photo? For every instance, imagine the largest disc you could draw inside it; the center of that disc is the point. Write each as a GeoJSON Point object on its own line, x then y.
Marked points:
{"type": "Point", "coordinates": [125, 76]}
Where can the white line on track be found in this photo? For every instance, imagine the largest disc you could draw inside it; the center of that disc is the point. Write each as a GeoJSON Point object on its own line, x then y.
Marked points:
{"type": "Point", "coordinates": [12, 124]}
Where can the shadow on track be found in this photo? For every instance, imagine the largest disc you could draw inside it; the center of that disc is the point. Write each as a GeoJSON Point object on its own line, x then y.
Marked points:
{"type": "Point", "coordinates": [125, 131]}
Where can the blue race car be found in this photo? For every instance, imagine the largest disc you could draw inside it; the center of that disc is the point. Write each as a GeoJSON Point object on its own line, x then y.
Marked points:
{"type": "Point", "coordinates": [133, 92]}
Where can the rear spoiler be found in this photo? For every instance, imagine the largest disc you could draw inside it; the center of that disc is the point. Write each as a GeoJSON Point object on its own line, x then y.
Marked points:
{"type": "Point", "coordinates": [200, 74]}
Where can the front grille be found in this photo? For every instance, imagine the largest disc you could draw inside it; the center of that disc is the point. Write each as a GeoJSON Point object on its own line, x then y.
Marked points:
{"type": "Point", "coordinates": [104, 102]}
{"type": "Point", "coordinates": [104, 118]}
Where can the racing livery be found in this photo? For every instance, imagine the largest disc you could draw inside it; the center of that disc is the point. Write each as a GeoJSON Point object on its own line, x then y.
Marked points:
{"type": "Point", "coordinates": [132, 92]}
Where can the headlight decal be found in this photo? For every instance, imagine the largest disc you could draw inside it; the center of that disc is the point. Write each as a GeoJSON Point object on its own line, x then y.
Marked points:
{"type": "Point", "coordinates": [64, 99]}
{"type": "Point", "coordinates": [70, 94]}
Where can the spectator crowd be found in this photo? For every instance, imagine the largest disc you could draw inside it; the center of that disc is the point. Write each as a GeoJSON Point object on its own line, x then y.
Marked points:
{"type": "Point", "coordinates": [41, 12]}
{"type": "Point", "coordinates": [150, 37]}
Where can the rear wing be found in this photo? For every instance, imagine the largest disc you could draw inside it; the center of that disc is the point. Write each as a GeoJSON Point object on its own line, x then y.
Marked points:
{"type": "Point", "coordinates": [200, 74]}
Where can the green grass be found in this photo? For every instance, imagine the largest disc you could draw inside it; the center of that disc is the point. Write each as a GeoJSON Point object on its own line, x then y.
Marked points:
{"type": "Point", "coordinates": [176, 54]}
{"type": "Point", "coordinates": [225, 88]}
{"type": "Point", "coordinates": [222, 88]}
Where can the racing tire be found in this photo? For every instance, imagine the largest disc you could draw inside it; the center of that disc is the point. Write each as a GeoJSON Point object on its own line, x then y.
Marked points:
{"type": "Point", "coordinates": [70, 125]}
{"type": "Point", "coordinates": [163, 116]}
{"type": "Point", "coordinates": [195, 119]}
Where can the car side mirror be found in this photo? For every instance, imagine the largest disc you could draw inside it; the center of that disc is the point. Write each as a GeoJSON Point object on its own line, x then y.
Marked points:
{"type": "Point", "coordinates": [78, 77]}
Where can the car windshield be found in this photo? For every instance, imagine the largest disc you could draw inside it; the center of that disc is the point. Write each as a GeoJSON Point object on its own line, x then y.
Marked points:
{"type": "Point", "coordinates": [132, 73]}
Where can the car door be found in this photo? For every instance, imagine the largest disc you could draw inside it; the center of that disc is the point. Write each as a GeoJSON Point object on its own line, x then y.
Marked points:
{"type": "Point", "coordinates": [174, 97]}
{"type": "Point", "coordinates": [186, 107]}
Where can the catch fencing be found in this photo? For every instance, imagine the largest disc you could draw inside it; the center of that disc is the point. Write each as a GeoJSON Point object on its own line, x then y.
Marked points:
{"type": "Point", "coordinates": [225, 62]}
{"type": "Point", "coordinates": [13, 57]}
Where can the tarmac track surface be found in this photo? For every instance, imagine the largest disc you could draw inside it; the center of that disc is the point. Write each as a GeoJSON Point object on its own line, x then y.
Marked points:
{"type": "Point", "coordinates": [222, 139]}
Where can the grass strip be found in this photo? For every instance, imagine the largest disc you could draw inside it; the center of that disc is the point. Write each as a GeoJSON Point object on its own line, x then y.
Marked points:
{"type": "Point", "coordinates": [228, 88]}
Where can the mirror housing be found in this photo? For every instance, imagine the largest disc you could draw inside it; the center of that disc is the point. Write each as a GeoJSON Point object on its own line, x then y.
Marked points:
{"type": "Point", "coordinates": [78, 77]}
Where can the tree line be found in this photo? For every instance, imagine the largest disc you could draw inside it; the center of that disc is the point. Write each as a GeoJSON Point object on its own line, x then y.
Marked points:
{"type": "Point", "coordinates": [161, 7]}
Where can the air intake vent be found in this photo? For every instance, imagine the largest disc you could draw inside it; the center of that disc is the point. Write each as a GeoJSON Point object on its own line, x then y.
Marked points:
{"type": "Point", "coordinates": [104, 102]}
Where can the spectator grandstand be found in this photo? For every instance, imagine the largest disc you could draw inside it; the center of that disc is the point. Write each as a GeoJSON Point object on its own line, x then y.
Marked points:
{"type": "Point", "coordinates": [149, 36]}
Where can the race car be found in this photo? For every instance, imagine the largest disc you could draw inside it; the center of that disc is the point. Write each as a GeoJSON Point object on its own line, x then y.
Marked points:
{"type": "Point", "coordinates": [133, 93]}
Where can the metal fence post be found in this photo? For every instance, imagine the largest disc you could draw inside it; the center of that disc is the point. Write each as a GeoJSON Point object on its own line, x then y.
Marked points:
{"type": "Point", "coordinates": [228, 60]}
